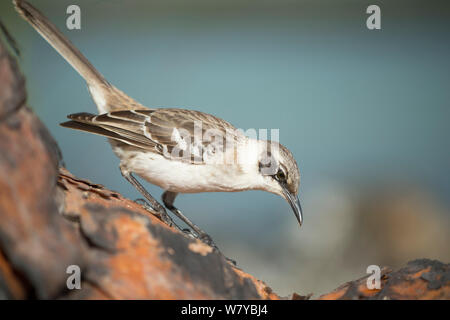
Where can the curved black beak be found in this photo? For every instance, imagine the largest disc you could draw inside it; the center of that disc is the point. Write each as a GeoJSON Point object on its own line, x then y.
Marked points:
{"type": "Point", "coordinates": [295, 205]}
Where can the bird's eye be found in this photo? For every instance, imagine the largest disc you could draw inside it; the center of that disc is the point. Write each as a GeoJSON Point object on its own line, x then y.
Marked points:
{"type": "Point", "coordinates": [280, 176]}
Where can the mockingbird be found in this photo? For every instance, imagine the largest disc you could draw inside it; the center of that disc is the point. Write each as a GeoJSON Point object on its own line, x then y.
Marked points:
{"type": "Point", "coordinates": [181, 151]}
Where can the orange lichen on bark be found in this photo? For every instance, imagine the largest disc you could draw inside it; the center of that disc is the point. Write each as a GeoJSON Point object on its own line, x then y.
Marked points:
{"type": "Point", "coordinates": [420, 279]}
{"type": "Point", "coordinates": [15, 286]}
{"type": "Point", "coordinates": [200, 248]}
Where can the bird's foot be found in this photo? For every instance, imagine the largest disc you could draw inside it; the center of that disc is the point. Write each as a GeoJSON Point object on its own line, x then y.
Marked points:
{"type": "Point", "coordinates": [161, 212]}
{"type": "Point", "coordinates": [189, 233]}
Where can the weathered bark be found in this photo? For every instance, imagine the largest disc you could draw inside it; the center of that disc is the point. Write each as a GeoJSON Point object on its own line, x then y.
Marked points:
{"type": "Point", "coordinates": [50, 220]}
{"type": "Point", "coordinates": [420, 279]}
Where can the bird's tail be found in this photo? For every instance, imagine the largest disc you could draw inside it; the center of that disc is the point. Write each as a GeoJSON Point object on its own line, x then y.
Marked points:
{"type": "Point", "coordinates": [58, 41]}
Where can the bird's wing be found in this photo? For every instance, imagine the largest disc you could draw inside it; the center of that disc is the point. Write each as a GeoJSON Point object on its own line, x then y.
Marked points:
{"type": "Point", "coordinates": [174, 133]}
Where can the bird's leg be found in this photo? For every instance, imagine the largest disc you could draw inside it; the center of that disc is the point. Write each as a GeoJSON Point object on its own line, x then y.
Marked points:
{"type": "Point", "coordinates": [155, 205]}
{"type": "Point", "coordinates": [148, 207]}
{"type": "Point", "coordinates": [168, 198]}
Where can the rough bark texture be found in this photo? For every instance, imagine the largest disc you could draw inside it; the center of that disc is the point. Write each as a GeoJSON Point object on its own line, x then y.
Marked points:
{"type": "Point", "coordinates": [50, 220]}
{"type": "Point", "coordinates": [420, 279]}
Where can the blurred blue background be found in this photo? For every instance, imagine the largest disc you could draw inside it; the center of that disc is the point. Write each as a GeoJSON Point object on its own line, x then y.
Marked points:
{"type": "Point", "coordinates": [366, 114]}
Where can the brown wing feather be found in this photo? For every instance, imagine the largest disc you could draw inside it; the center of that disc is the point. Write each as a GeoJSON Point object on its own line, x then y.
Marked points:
{"type": "Point", "coordinates": [126, 125]}
{"type": "Point", "coordinates": [130, 132]}
{"type": "Point", "coordinates": [106, 133]}
{"type": "Point", "coordinates": [154, 128]}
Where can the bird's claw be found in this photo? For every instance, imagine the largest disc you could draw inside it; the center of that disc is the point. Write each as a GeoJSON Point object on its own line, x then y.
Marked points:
{"type": "Point", "coordinates": [189, 233]}
{"type": "Point", "coordinates": [160, 211]}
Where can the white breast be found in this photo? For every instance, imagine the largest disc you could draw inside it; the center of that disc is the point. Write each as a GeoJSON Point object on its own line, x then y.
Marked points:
{"type": "Point", "coordinates": [184, 177]}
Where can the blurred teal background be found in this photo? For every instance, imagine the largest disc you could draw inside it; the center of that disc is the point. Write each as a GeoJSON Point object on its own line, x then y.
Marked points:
{"type": "Point", "coordinates": [365, 113]}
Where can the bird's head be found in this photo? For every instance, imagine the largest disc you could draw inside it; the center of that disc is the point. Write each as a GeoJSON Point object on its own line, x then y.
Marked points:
{"type": "Point", "coordinates": [280, 174]}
